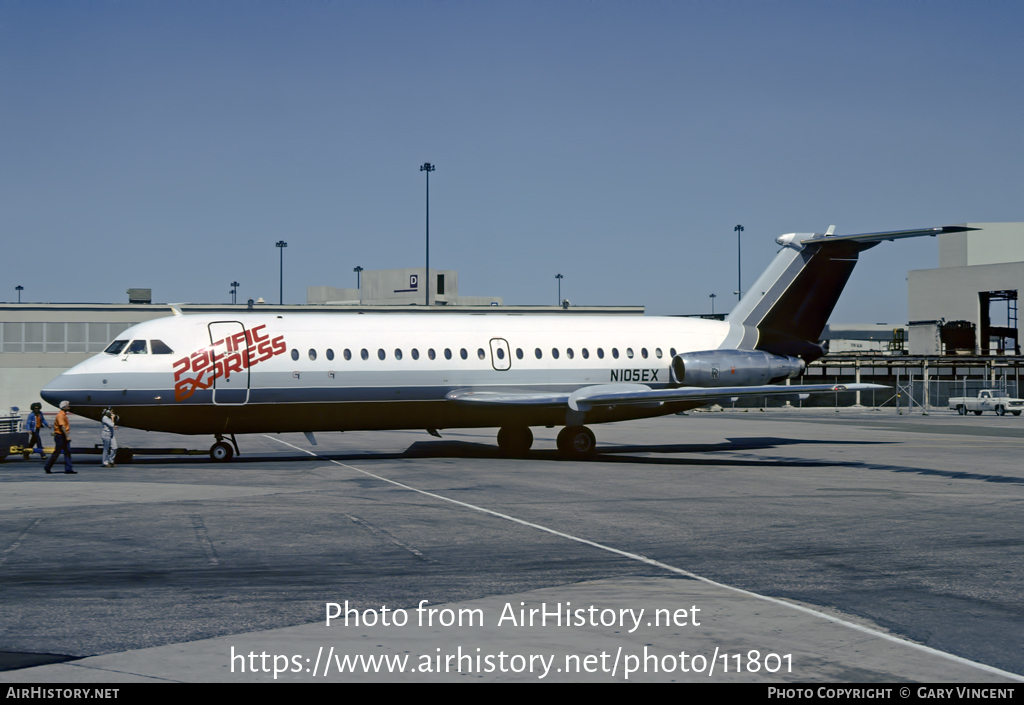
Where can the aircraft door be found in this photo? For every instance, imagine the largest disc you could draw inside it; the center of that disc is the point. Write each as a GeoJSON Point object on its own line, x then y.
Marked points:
{"type": "Point", "coordinates": [501, 359]}
{"type": "Point", "coordinates": [229, 343]}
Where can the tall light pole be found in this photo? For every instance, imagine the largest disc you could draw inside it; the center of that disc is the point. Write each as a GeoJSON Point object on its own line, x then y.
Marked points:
{"type": "Point", "coordinates": [712, 297]}
{"type": "Point", "coordinates": [739, 264]}
{"type": "Point", "coordinates": [559, 277]}
{"type": "Point", "coordinates": [281, 244]}
{"type": "Point", "coordinates": [428, 167]}
{"type": "Point", "coordinates": [19, 289]}
{"type": "Point", "coordinates": [357, 270]}
{"type": "Point", "coordinates": [234, 292]}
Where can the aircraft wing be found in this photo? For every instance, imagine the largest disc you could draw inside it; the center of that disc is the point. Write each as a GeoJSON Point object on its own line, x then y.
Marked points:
{"type": "Point", "coordinates": [586, 398]}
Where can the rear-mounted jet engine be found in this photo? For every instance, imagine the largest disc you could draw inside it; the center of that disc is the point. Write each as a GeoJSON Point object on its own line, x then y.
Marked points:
{"type": "Point", "coordinates": [731, 368]}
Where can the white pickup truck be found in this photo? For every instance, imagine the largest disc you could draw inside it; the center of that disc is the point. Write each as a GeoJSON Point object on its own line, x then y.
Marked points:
{"type": "Point", "coordinates": [987, 400]}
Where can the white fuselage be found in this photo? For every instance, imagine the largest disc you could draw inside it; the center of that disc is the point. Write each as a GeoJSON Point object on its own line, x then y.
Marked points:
{"type": "Point", "coordinates": [308, 372]}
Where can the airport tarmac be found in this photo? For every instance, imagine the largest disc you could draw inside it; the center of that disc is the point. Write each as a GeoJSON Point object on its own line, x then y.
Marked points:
{"type": "Point", "coordinates": [786, 546]}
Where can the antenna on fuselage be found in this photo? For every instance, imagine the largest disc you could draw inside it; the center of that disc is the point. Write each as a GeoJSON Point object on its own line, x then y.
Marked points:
{"type": "Point", "coordinates": [176, 310]}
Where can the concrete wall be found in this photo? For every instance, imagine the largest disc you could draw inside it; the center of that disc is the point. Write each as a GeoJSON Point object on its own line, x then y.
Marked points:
{"type": "Point", "coordinates": [952, 293]}
{"type": "Point", "coordinates": [400, 287]}
{"type": "Point", "coordinates": [331, 295]}
{"type": "Point", "coordinates": [382, 287]}
{"type": "Point", "coordinates": [478, 301]}
{"type": "Point", "coordinates": [988, 259]}
{"type": "Point", "coordinates": [394, 287]}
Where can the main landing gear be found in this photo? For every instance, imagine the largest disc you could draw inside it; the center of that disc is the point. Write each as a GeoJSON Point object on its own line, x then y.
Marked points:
{"type": "Point", "coordinates": [515, 441]}
{"type": "Point", "coordinates": [574, 442]}
{"type": "Point", "coordinates": [222, 451]}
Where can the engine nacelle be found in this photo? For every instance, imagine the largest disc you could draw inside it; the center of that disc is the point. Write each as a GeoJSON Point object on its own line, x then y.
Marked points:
{"type": "Point", "coordinates": [733, 368]}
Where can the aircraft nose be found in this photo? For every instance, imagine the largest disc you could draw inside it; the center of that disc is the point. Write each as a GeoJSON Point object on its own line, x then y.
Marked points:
{"type": "Point", "coordinates": [57, 390]}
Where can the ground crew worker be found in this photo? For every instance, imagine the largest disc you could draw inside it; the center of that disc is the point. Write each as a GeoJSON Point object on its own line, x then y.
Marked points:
{"type": "Point", "coordinates": [34, 424]}
{"type": "Point", "coordinates": [61, 439]}
{"type": "Point", "coordinates": [109, 421]}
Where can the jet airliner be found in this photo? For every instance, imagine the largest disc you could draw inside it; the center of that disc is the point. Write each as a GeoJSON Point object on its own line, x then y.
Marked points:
{"type": "Point", "coordinates": [227, 374]}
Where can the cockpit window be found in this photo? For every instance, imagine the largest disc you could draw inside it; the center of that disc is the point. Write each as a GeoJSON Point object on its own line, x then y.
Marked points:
{"type": "Point", "coordinates": [159, 347]}
{"type": "Point", "coordinates": [116, 347]}
{"type": "Point", "coordinates": [137, 347]}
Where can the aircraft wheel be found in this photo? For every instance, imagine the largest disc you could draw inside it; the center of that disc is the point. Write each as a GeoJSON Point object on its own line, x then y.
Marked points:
{"type": "Point", "coordinates": [576, 442]}
{"type": "Point", "coordinates": [1000, 411]}
{"type": "Point", "coordinates": [515, 440]}
{"type": "Point", "coordinates": [977, 412]}
{"type": "Point", "coordinates": [221, 452]}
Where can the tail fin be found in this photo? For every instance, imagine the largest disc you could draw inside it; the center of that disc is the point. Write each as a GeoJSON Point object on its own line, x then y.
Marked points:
{"type": "Point", "coordinates": [787, 308]}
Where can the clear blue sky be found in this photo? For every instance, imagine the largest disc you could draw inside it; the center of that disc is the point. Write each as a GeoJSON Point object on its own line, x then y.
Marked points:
{"type": "Point", "coordinates": [169, 145]}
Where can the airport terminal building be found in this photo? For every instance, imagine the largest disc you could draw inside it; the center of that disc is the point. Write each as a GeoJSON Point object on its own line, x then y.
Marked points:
{"type": "Point", "coordinates": [968, 304]}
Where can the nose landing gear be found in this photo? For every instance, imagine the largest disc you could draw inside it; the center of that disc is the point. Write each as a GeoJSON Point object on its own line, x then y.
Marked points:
{"type": "Point", "coordinates": [222, 451]}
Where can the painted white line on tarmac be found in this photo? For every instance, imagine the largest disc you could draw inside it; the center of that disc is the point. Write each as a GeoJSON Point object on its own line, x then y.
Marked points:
{"type": "Point", "coordinates": [672, 569]}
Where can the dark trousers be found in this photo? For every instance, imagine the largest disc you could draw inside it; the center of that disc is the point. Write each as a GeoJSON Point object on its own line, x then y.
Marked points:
{"type": "Point", "coordinates": [60, 446]}
{"type": "Point", "coordinates": [35, 442]}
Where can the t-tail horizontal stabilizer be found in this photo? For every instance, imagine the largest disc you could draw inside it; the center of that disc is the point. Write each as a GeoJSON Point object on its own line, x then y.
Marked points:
{"type": "Point", "coordinates": [786, 309]}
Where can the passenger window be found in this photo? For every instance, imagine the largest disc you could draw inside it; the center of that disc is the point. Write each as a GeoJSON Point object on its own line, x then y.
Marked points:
{"type": "Point", "coordinates": [672, 352]}
{"type": "Point", "coordinates": [586, 354]}
{"type": "Point", "coordinates": [569, 353]}
{"type": "Point", "coordinates": [295, 354]}
{"type": "Point", "coordinates": [657, 353]}
{"type": "Point", "coordinates": [629, 353]}
{"type": "Point", "coordinates": [415, 354]}
{"type": "Point", "coordinates": [447, 353]}
{"type": "Point", "coordinates": [312, 354]}
{"type": "Point", "coordinates": [643, 353]}
{"type": "Point", "coordinates": [519, 353]}
{"type": "Point", "coordinates": [430, 353]}
{"type": "Point", "coordinates": [463, 354]}
{"type": "Point", "coordinates": [365, 354]}
{"type": "Point", "coordinates": [330, 354]}
{"type": "Point", "coordinates": [115, 347]}
{"type": "Point", "coordinates": [481, 355]}
{"type": "Point", "coordinates": [398, 354]}
{"type": "Point", "coordinates": [381, 354]}
{"type": "Point", "coordinates": [600, 353]}
{"type": "Point", "coordinates": [501, 354]}
{"type": "Point", "coordinates": [554, 353]}
{"type": "Point", "coordinates": [138, 347]}
{"type": "Point", "coordinates": [615, 353]}
{"type": "Point", "coordinates": [158, 347]}
{"type": "Point", "coordinates": [538, 353]}
{"type": "Point", "coordinates": [347, 354]}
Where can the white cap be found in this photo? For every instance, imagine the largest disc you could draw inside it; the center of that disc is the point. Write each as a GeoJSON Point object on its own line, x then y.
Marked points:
{"type": "Point", "coordinates": [65, 404]}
